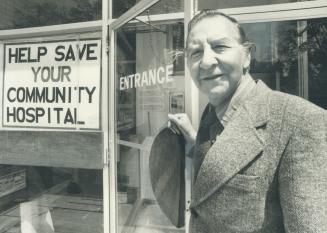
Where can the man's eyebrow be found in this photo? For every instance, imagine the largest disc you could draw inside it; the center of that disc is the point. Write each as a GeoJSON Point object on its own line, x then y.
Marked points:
{"type": "Point", "coordinates": [221, 40]}
{"type": "Point", "coordinates": [192, 45]}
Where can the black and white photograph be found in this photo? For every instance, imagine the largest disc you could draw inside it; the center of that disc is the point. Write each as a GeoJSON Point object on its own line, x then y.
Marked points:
{"type": "Point", "coordinates": [163, 116]}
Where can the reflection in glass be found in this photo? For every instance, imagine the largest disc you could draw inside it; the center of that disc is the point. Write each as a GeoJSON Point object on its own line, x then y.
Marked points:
{"type": "Point", "coordinates": [149, 85]}
{"type": "Point", "coordinates": [316, 47]}
{"type": "Point", "coordinates": [119, 7]}
{"type": "Point", "coordinates": [290, 56]}
{"type": "Point", "coordinates": [33, 13]}
{"type": "Point", "coordinates": [165, 7]}
{"type": "Point", "coordinates": [214, 4]}
{"type": "Point", "coordinates": [162, 7]}
{"type": "Point", "coordinates": [274, 59]}
{"type": "Point", "coordinates": [49, 199]}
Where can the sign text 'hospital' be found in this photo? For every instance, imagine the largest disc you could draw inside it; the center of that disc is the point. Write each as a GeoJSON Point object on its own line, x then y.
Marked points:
{"type": "Point", "coordinates": [54, 84]}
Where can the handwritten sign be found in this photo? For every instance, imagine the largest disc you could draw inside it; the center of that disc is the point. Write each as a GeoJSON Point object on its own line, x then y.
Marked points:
{"type": "Point", "coordinates": [52, 85]}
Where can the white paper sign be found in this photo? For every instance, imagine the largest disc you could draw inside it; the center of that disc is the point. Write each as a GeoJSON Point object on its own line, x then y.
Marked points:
{"type": "Point", "coordinates": [52, 85]}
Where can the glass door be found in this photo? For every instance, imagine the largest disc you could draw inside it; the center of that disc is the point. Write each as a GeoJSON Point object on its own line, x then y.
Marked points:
{"type": "Point", "coordinates": [147, 79]}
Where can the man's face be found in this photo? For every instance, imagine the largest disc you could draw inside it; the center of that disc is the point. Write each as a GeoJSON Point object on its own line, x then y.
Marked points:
{"type": "Point", "coordinates": [216, 59]}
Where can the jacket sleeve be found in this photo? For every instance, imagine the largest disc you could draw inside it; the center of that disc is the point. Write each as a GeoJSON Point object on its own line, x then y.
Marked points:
{"type": "Point", "coordinates": [303, 172]}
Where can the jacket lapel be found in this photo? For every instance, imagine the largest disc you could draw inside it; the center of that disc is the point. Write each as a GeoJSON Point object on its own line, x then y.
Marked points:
{"type": "Point", "coordinates": [240, 143]}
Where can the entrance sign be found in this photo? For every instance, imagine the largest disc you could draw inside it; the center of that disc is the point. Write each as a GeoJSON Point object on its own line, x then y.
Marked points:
{"type": "Point", "coordinates": [160, 75]}
{"type": "Point", "coordinates": [52, 85]}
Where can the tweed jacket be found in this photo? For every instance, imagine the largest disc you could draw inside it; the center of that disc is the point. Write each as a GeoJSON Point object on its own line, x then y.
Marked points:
{"type": "Point", "coordinates": [266, 172]}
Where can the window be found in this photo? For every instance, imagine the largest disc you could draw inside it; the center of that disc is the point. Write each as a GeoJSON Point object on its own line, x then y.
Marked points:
{"type": "Point", "coordinates": [162, 7]}
{"type": "Point", "coordinates": [33, 13]}
{"type": "Point", "coordinates": [51, 162]}
{"type": "Point", "coordinates": [221, 4]}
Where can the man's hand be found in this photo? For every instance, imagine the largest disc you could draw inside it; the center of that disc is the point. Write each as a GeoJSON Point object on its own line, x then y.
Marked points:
{"type": "Point", "coordinates": [180, 124]}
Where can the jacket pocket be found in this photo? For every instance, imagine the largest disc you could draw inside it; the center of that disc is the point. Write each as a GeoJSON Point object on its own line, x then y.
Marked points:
{"type": "Point", "coordinates": [238, 206]}
{"type": "Point", "coordinates": [244, 182]}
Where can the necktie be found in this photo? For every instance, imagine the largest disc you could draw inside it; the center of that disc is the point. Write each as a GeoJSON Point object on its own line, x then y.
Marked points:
{"type": "Point", "coordinates": [210, 128]}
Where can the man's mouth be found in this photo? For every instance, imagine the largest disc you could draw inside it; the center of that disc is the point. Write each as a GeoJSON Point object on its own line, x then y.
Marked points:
{"type": "Point", "coordinates": [211, 77]}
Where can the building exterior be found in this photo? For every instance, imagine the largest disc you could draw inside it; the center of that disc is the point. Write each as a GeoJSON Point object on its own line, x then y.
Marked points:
{"type": "Point", "coordinates": [86, 88]}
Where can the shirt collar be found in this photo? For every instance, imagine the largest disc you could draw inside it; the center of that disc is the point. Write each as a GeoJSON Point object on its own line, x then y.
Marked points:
{"type": "Point", "coordinates": [226, 112]}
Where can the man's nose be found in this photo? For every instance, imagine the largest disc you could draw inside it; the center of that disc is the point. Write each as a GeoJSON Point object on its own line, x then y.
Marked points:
{"type": "Point", "coordinates": [209, 59]}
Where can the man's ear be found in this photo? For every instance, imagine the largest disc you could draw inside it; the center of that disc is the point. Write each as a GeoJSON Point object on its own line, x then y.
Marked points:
{"type": "Point", "coordinates": [247, 61]}
{"type": "Point", "coordinates": [247, 58]}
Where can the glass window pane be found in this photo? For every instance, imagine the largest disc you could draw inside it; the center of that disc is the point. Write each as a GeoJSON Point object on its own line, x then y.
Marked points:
{"type": "Point", "coordinates": [150, 78]}
{"type": "Point", "coordinates": [150, 84]}
{"type": "Point", "coordinates": [316, 48]}
{"type": "Point", "coordinates": [166, 6]}
{"type": "Point", "coordinates": [119, 7]}
{"type": "Point", "coordinates": [275, 57]}
{"type": "Point", "coordinates": [137, 207]}
{"type": "Point", "coordinates": [33, 13]}
{"type": "Point", "coordinates": [214, 4]}
{"type": "Point", "coordinates": [162, 7]}
{"type": "Point", "coordinates": [50, 199]}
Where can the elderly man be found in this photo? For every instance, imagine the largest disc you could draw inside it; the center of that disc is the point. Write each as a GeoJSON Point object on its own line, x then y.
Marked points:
{"type": "Point", "coordinates": [260, 157]}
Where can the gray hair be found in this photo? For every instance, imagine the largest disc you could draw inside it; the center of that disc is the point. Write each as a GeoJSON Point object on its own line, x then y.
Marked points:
{"type": "Point", "coordinates": [211, 13]}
